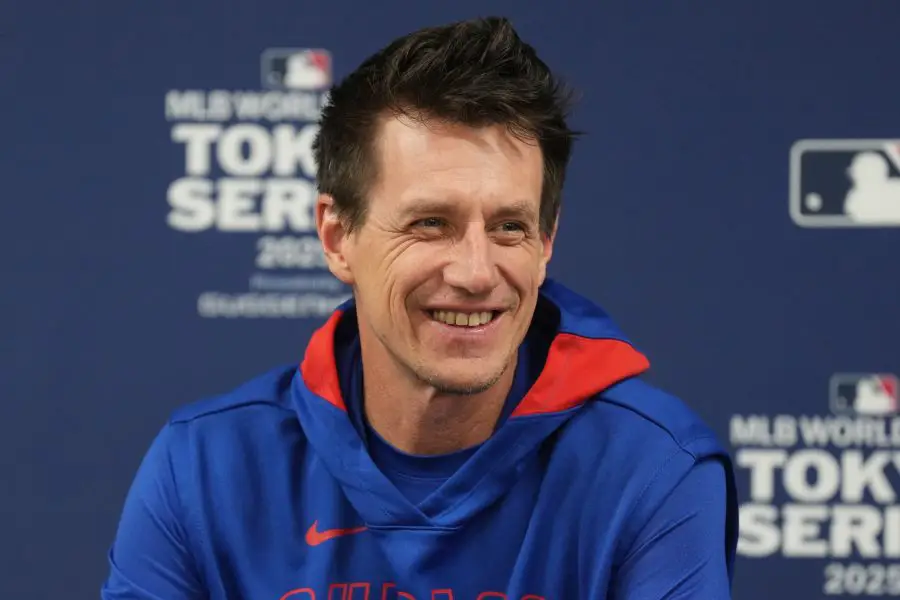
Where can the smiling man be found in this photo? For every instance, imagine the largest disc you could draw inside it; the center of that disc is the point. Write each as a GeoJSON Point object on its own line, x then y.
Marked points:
{"type": "Point", "coordinates": [463, 428]}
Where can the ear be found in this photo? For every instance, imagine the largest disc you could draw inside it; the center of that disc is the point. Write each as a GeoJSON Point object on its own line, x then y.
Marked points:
{"type": "Point", "coordinates": [547, 250]}
{"type": "Point", "coordinates": [334, 237]}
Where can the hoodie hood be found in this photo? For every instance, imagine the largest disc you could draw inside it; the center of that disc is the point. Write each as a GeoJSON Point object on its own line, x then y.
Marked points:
{"type": "Point", "coordinates": [587, 354]}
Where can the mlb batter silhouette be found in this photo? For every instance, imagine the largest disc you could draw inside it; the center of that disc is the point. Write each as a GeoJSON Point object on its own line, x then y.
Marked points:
{"type": "Point", "coordinates": [875, 196]}
{"type": "Point", "coordinates": [872, 398]}
{"type": "Point", "coordinates": [303, 72]}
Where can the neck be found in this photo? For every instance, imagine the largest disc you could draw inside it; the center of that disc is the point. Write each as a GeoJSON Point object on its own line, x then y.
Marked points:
{"type": "Point", "coordinates": [414, 418]}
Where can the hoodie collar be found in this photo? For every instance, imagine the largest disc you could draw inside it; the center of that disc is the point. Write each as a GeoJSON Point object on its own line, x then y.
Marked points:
{"type": "Point", "coordinates": [588, 354]}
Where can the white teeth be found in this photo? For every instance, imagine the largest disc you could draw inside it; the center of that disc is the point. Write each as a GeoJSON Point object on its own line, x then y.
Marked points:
{"type": "Point", "coordinates": [462, 319]}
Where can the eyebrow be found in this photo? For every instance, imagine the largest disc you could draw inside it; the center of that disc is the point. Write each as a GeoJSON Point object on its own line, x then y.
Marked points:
{"type": "Point", "coordinates": [519, 209]}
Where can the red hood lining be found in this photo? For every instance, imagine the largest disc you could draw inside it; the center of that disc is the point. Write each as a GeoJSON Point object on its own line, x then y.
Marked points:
{"type": "Point", "coordinates": [576, 369]}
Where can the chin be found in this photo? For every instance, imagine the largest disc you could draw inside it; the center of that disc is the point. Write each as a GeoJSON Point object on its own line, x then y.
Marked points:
{"type": "Point", "coordinates": [462, 381]}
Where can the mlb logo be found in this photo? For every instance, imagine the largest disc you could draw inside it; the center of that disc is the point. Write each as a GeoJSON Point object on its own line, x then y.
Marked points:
{"type": "Point", "coordinates": [845, 183]}
{"type": "Point", "coordinates": [298, 69]}
{"type": "Point", "coordinates": [864, 394]}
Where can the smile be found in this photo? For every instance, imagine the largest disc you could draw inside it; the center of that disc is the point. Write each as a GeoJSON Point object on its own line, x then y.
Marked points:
{"type": "Point", "coordinates": [463, 319]}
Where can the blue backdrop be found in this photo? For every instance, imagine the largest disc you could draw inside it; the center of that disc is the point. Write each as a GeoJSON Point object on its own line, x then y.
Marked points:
{"type": "Point", "coordinates": [156, 244]}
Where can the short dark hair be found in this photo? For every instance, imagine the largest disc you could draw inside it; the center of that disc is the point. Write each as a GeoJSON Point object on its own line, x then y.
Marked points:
{"type": "Point", "coordinates": [476, 73]}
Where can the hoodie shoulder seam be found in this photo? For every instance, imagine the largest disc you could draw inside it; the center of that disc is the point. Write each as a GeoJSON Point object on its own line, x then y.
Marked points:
{"type": "Point", "coordinates": [686, 436]}
{"type": "Point", "coordinates": [191, 413]}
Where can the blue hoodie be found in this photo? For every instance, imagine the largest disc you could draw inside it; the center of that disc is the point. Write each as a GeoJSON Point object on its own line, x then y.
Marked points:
{"type": "Point", "coordinates": [594, 485]}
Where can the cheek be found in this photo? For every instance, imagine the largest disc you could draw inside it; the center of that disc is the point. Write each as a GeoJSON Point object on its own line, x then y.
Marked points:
{"type": "Point", "coordinates": [411, 271]}
{"type": "Point", "coordinates": [524, 269]}
{"type": "Point", "coordinates": [387, 275]}
{"type": "Point", "coordinates": [371, 260]}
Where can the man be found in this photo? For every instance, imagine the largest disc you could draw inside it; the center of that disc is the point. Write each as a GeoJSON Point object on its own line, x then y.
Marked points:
{"type": "Point", "coordinates": [463, 428]}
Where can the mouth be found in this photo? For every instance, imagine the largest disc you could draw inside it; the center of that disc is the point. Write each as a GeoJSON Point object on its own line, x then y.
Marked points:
{"type": "Point", "coordinates": [463, 320]}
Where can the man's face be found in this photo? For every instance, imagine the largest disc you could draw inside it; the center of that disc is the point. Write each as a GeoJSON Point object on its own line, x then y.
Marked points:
{"type": "Point", "coordinates": [447, 264]}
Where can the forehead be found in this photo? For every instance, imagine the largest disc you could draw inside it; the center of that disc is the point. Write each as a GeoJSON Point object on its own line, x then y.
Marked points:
{"type": "Point", "coordinates": [452, 162]}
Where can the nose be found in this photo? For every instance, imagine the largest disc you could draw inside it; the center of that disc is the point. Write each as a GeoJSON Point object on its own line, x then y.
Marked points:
{"type": "Point", "coordinates": [471, 266]}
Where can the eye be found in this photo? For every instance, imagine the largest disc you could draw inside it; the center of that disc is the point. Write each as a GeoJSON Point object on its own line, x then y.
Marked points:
{"type": "Point", "coordinates": [430, 222]}
{"type": "Point", "coordinates": [511, 232]}
{"type": "Point", "coordinates": [512, 227]}
{"type": "Point", "coordinates": [429, 226]}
